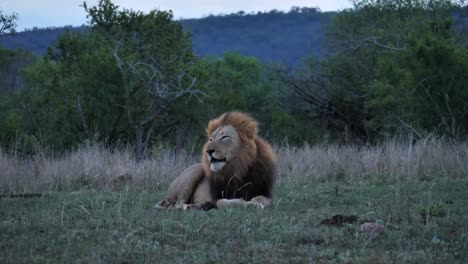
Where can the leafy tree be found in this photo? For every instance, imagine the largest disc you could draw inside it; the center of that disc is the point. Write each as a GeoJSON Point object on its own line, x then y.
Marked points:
{"type": "Point", "coordinates": [401, 72]}
{"type": "Point", "coordinates": [154, 56]}
{"type": "Point", "coordinates": [112, 82]}
{"type": "Point", "coordinates": [11, 61]}
{"type": "Point", "coordinates": [425, 82]}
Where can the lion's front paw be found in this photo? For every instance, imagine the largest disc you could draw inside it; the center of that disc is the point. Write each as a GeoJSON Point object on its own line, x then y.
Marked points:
{"type": "Point", "coordinates": [255, 205]}
{"type": "Point", "coordinates": [200, 206]}
{"type": "Point", "coordinates": [165, 204]}
{"type": "Point", "coordinates": [223, 203]}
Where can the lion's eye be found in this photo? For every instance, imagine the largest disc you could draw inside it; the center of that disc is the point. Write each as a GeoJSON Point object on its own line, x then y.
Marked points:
{"type": "Point", "coordinates": [224, 138]}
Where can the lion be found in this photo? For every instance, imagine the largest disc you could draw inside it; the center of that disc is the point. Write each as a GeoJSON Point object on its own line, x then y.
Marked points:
{"type": "Point", "coordinates": [238, 168]}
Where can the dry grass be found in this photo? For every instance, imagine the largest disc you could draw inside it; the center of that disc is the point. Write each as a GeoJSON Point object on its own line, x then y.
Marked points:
{"type": "Point", "coordinates": [89, 165]}
{"type": "Point", "coordinates": [95, 166]}
{"type": "Point", "coordinates": [416, 191]}
{"type": "Point", "coordinates": [393, 159]}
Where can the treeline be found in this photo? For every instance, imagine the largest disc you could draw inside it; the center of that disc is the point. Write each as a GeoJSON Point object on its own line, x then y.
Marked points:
{"type": "Point", "coordinates": [392, 68]}
{"type": "Point", "coordinates": [258, 34]}
{"type": "Point", "coordinates": [35, 40]}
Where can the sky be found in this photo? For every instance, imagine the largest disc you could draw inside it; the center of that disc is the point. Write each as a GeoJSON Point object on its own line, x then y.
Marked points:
{"type": "Point", "coordinates": [56, 13]}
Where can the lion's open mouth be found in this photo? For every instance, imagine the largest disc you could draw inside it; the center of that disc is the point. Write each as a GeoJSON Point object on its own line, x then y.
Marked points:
{"type": "Point", "coordinates": [216, 164]}
{"type": "Point", "coordinates": [214, 160]}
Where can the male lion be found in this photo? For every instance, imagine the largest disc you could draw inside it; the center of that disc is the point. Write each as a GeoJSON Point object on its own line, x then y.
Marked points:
{"type": "Point", "coordinates": [237, 168]}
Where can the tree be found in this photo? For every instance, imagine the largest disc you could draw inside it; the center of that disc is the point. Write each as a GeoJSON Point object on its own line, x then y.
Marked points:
{"type": "Point", "coordinates": [392, 66]}
{"type": "Point", "coordinates": [161, 93]}
{"type": "Point", "coordinates": [7, 22]}
{"type": "Point", "coordinates": [154, 56]}
{"type": "Point", "coordinates": [419, 75]}
{"type": "Point", "coordinates": [114, 82]}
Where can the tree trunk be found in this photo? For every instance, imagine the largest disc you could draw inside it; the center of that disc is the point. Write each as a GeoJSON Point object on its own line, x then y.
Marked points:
{"type": "Point", "coordinates": [141, 147]}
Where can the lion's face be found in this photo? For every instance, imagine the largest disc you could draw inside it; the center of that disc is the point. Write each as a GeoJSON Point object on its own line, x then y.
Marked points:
{"type": "Point", "coordinates": [231, 146]}
{"type": "Point", "coordinates": [222, 147]}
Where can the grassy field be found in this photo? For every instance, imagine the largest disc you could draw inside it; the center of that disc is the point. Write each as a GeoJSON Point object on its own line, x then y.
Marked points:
{"type": "Point", "coordinates": [122, 226]}
{"type": "Point", "coordinates": [423, 206]}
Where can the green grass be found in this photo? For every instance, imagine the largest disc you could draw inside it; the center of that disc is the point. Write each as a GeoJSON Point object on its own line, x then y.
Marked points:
{"type": "Point", "coordinates": [107, 226]}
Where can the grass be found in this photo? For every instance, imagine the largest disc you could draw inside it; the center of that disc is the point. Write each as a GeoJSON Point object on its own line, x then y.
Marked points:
{"type": "Point", "coordinates": [105, 226]}
{"type": "Point", "coordinates": [418, 192]}
{"type": "Point", "coordinates": [94, 166]}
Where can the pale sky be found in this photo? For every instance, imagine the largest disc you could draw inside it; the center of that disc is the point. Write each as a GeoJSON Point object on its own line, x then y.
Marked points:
{"type": "Point", "coordinates": [45, 13]}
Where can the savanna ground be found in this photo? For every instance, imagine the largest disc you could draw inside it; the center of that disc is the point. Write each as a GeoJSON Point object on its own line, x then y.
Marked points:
{"type": "Point", "coordinates": [419, 192]}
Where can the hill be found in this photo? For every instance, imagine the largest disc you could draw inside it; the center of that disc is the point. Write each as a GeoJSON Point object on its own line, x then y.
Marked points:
{"type": "Point", "coordinates": [269, 36]}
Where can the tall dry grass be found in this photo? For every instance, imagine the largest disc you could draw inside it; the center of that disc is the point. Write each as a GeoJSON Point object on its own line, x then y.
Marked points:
{"type": "Point", "coordinates": [89, 165]}
{"type": "Point", "coordinates": [392, 159]}
{"type": "Point", "coordinates": [95, 166]}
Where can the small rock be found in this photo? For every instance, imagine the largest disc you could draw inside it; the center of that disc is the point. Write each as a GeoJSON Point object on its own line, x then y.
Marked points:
{"type": "Point", "coordinates": [372, 229]}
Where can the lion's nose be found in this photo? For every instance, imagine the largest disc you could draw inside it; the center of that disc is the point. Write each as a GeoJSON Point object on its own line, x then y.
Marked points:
{"type": "Point", "coordinates": [210, 151]}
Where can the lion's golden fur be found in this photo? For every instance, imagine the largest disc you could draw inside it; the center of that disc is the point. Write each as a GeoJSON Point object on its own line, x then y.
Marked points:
{"type": "Point", "coordinates": [250, 172]}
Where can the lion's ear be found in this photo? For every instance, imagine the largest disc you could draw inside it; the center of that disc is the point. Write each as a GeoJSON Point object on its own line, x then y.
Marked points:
{"type": "Point", "coordinates": [244, 123]}
{"type": "Point", "coordinates": [212, 126]}
{"type": "Point", "coordinates": [251, 129]}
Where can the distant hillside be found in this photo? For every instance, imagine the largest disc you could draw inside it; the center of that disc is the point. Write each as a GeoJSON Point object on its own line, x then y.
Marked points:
{"type": "Point", "coordinates": [272, 36]}
{"type": "Point", "coordinates": [35, 40]}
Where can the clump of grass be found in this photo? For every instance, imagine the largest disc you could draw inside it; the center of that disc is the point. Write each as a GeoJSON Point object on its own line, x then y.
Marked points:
{"type": "Point", "coordinates": [88, 166]}
{"type": "Point", "coordinates": [392, 159]}
{"type": "Point", "coordinates": [93, 165]}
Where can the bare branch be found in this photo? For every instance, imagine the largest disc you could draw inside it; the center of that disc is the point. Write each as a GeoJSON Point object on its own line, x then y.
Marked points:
{"type": "Point", "coordinates": [414, 130]}
{"type": "Point", "coordinates": [354, 45]}
{"type": "Point", "coordinates": [7, 22]}
{"type": "Point", "coordinates": [161, 90]}
{"type": "Point", "coordinates": [82, 117]}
